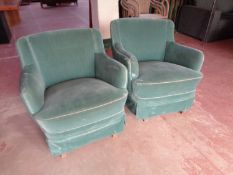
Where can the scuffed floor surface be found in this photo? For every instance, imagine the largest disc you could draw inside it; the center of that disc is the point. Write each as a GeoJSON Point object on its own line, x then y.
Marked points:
{"type": "Point", "coordinates": [200, 141]}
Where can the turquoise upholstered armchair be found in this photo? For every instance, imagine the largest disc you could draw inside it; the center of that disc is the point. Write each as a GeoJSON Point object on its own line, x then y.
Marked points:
{"type": "Point", "coordinates": [162, 75]}
{"type": "Point", "coordinates": [74, 92]}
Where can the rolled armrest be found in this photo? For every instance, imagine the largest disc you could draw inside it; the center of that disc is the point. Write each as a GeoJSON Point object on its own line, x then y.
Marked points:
{"type": "Point", "coordinates": [32, 89]}
{"type": "Point", "coordinates": [128, 59]}
{"type": "Point", "coordinates": [184, 56]}
{"type": "Point", "coordinates": [110, 71]}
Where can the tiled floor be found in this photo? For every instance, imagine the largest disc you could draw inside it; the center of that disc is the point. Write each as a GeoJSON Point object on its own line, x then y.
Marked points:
{"type": "Point", "coordinates": [35, 19]}
{"type": "Point", "coordinates": [200, 141]}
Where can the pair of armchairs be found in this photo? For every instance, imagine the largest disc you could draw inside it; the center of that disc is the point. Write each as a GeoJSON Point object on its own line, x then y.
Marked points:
{"type": "Point", "coordinates": [77, 94]}
{"type": "Point", "coordinates": [142, 8]}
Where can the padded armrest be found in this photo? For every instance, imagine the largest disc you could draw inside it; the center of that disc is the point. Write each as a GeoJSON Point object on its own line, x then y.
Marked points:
{"type": "Point", "coordinates": [128, 59]}
{"type": "Point", "coordinates": [32, 89]}
{"type": "Point", "coordinates": [184, 56]}
{"type": "Point", "coordinates": [110, 71]}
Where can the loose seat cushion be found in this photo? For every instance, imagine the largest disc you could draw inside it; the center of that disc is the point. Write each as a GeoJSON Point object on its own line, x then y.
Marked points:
{"type": "Point", "coordinates": [163, 79]}
{"type": "Point", "coordinates": [77, 103]}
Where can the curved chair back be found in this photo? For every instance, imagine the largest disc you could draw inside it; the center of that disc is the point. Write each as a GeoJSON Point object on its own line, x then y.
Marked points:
{"type": "Point", "coordinates": [144, 38]}
{"type": "Point", "coordinates": [55, 52]}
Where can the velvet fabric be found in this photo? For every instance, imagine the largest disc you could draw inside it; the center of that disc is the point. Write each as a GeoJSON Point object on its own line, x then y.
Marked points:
{"type": "Point", "coordinates": [73, 90]}
{"type": "Point", "coordinates": [161, 79]}
{"type": "Point", "coordinates": [162, 75]}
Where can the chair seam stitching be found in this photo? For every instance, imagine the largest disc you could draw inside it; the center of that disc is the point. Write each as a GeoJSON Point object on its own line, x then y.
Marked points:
{"type": "Point", "coordinates": [150, 83]}
{"type": "Point", "coordinates": [163, 96]}
{"type": "Point", "coordinates": [61, 116]}
{"type": "Point", "coordinates": [110, 116]}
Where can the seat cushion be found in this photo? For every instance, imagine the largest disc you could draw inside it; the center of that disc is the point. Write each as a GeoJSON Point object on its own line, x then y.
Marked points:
{"type": "Point", "coordinates": [162, 79]}
{"type": "Point", "coordinates": [77, 103]}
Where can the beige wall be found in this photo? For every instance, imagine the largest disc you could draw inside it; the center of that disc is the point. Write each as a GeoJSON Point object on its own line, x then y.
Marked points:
{"type": "Point", "coordinates": [103, 12]}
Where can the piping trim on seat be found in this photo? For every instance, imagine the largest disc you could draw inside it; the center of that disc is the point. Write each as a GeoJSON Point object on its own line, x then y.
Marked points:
{"type": "Point", "coordinates": [150, 83]}
{"type": "Point", "coordinates": [61, 116]}
{"type": "Point", "coordinates": [89, 123]}
{"type": "Point", "coordinates": [163, 96]}
{"type": "Point", "coordinates": [88, 132]}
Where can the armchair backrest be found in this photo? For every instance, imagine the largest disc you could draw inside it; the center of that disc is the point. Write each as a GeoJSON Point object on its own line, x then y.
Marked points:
{"type": "Point", "coordinates": [145, 38]}
{"type": "Point", "coordinates": [61, 55]}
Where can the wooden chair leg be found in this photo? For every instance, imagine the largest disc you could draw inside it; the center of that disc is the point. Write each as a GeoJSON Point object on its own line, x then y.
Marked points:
{"type": "Point", "coordinates": [63, 156]}
{"type": "Point", "coordinates": [114, 135]}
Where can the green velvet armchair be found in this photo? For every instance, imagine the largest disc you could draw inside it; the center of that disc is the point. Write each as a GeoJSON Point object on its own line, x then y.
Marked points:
{"type": "Point", "coordinates": [162, 75]}
{"type": "Point", "coordinates": [71, 88]}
